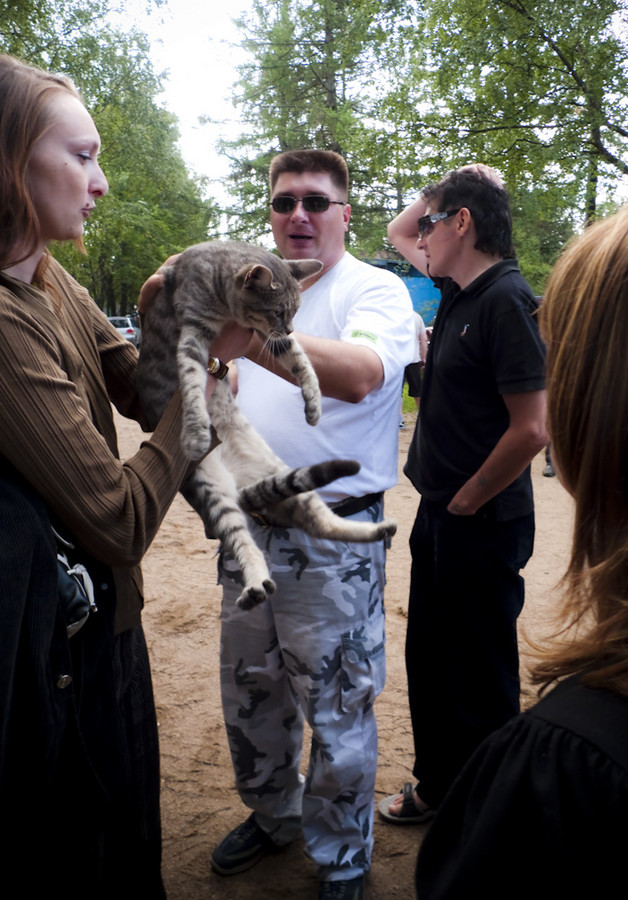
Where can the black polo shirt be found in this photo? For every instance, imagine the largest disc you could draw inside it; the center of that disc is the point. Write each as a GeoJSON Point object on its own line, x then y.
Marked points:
{"type": "Point", "coordinates": [485, 343]}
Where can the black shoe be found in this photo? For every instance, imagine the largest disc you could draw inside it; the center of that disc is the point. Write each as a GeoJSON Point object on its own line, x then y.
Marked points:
{"type": "Point", "coordinates": [343, 890]}
{"type": "Point", "coordinates": [242, 848]}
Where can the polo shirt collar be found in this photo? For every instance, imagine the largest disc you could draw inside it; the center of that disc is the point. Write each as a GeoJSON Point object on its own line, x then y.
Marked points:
{"type": "Point", "coordinates": [490, 276]}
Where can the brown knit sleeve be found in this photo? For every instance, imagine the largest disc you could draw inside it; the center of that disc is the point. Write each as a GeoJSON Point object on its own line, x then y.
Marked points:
{"type": "Point", "coordinates": [56, 428]}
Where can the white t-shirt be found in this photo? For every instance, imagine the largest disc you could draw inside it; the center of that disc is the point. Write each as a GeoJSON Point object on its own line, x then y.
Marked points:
{"type": "Point", "coordinates": [419, 332]}
{"type": "Point", "coordinates": [359, 304]}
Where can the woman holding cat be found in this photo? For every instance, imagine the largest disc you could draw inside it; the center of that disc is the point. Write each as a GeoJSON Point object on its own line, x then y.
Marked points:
{"type": "Point", "coordinates": [61, 367]}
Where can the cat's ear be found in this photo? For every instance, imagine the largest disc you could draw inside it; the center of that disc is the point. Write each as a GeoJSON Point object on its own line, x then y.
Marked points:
{"type": "Point", "coordinates": [255, 277]}
{"type": "Point", "coordinates": [304, 268]}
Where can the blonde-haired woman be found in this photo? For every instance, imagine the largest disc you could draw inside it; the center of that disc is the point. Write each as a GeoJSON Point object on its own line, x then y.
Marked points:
{"type": "Point", "coordinates": [541, 809]}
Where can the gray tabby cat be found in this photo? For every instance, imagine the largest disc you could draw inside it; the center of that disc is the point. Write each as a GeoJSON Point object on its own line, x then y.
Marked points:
{"type": "Point", "coordinates": [208, 285]}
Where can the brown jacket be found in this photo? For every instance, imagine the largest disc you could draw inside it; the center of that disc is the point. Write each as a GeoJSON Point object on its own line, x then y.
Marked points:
{"type": "Point", "coordinates": [59, 374]}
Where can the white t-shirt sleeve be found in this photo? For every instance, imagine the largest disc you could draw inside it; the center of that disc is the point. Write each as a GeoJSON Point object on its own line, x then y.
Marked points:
{"type": "Point", "coordinates": [370, 307]}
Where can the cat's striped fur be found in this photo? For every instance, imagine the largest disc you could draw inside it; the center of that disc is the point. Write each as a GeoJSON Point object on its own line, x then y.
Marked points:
{"type": "Point", "coordinates": [208, 285]}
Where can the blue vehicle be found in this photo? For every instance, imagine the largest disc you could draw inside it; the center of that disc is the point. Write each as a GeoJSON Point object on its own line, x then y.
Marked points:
{"type": "Point", "coordinates": [425, 297]}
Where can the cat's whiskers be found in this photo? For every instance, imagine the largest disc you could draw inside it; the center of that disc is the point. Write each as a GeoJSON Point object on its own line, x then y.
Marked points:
{"type": "Point", "coordinates": [271, 341]}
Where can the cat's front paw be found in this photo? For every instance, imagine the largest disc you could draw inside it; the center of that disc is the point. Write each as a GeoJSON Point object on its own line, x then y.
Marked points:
{"type": "Point", "coordinates": [253, 595]}
{"type": "Point", "coordinates": [312, 409]}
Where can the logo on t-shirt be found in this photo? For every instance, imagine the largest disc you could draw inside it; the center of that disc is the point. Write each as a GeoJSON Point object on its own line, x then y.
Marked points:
{"type": "Point", "coordinates": [368, 335]}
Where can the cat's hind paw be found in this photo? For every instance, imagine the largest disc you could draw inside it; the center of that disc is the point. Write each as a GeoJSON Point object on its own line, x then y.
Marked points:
{"type": "Point", "coordinates": [195, 445]}
{"type": "Point", "coordinates": [365, 532]}
{"type": "Point", "coordinates": [253, 595]}
{"type": "Point", "coordinates": [387, 528]}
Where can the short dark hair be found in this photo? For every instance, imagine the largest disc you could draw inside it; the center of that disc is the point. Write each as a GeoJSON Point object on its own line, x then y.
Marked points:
{"type": "Point", "coordinates": [488, 204]}
{"type": "Point", "coordinates": [300, 161]}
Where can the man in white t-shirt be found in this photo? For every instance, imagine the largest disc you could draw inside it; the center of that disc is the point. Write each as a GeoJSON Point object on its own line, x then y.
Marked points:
{"type": "Point", "coordinates": [314, 650]}
{"type": "Point", "coordinates": [414, 371]}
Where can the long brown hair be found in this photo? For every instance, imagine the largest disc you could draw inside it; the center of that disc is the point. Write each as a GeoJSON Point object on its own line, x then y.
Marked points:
{"type": "Point", "coordinates": [584, 321]}
{"type": "Point", "coordinates": [25, 115]}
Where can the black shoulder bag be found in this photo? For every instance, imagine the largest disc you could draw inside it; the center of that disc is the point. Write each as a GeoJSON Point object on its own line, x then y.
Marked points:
{"type": "Point", "coordinates": [76, 589]}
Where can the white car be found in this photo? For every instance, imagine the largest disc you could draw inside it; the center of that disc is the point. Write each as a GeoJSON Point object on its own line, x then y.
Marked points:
{"type": "Point", "coordinates": [125, 327]}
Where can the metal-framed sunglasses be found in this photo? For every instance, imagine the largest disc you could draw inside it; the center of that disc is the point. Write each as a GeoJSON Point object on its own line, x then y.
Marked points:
{"type": "Point", "coordinates": [312, 203]}
{"type": "Point", "coordinates": [426, 223]}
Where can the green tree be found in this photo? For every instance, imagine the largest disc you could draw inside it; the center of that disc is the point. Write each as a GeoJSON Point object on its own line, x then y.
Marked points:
{"type": "Point", "coordinates": [409, 91]}
{"type": "Point", "coordinates": [538, 88]}
{"type": "Point", "coordinates": [154, 207]}
{"type": "Point", "coordinates": [315, 78]}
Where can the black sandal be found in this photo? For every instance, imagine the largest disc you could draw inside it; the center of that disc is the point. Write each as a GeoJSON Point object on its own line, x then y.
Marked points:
{"type": "Point", "coordinates": [408, 814]}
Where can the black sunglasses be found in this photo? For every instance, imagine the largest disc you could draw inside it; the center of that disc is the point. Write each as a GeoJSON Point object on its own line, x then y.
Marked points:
{"type": "Point", "coordinates": [426, 223]}
{"type": "Point", "coordinates": [312, 203]}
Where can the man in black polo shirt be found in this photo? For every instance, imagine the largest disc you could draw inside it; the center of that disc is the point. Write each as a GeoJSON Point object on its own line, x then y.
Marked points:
{"type": "Point", "coordinates": [481, 422]}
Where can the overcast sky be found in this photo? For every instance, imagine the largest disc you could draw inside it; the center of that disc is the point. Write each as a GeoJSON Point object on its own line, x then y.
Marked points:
{"type": "Point", "coordinates": [194, 41]}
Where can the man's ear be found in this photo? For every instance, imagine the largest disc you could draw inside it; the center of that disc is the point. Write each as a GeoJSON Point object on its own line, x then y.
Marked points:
{"type": "Point", "coordinates": [464, 220]}
{"type": "Point", "coordinates": [346, 215]}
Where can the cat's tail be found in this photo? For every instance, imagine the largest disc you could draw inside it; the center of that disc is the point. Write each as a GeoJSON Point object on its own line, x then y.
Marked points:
{"type": "Point", "coordinates": [275, 488]}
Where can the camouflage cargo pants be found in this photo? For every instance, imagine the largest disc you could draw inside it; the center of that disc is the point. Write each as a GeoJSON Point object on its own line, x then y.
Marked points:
{"type": "Point", "coordinates": [314, 650]}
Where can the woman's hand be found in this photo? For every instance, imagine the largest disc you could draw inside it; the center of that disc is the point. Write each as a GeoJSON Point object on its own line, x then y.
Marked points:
{"type": "Point", "coordinates": [153, 285]}
{"type": "Point", "coordinates": [232, 342]}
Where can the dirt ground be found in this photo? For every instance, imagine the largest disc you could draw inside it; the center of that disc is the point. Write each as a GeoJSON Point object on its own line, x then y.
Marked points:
{"type": "Point", "coordinates": [199, 803]}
